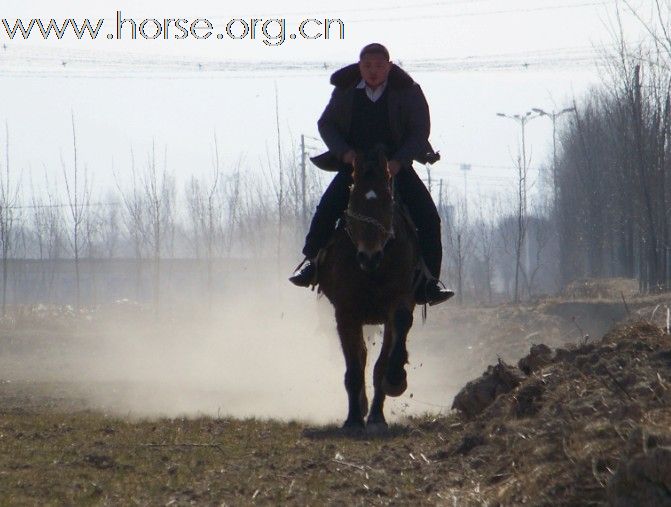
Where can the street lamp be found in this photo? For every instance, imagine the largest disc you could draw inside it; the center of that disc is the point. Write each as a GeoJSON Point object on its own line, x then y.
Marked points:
{"type": "Point", "coordinates": [522, 119]}
{"type": "Point", "coordinates": [554, 115]}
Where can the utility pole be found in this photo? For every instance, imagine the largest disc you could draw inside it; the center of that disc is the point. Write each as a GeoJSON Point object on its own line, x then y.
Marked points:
{"type": "Point", "coordinates": [465, 168]}
{"type": "Point", "coordinates": [428, 174]}
{"type": "Point", "coordinates": [522, 119]}
{"type": "Point", "coordinates": [440, 194]}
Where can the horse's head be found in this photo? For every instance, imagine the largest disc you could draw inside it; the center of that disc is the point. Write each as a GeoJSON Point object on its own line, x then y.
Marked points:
{"type": "Point", "coordinates": [370, 210]}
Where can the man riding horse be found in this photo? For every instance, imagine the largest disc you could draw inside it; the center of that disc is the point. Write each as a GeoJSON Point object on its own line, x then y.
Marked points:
{"type": "Point", "coordinates": [375, 102]}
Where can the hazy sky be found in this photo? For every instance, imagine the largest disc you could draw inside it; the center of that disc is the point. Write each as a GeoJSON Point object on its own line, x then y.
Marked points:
{"type": "Point", "coordinates": [473, 58]}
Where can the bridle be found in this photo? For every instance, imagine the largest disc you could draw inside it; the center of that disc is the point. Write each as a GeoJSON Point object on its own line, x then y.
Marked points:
{"type": "Point", "coordinates": [388, 232]}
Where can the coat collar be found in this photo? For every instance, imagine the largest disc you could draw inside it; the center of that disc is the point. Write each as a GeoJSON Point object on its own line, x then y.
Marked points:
{"type": "Point", "coordinates": [350, 76]}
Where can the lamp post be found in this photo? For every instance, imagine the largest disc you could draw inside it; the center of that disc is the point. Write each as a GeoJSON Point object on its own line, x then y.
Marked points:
{"type": "Point", "coordinates": [553, 116]}
{"type": "Point", "coordinates": [522, 119]}
{"type": "Point", "coordinates": [465, 168]}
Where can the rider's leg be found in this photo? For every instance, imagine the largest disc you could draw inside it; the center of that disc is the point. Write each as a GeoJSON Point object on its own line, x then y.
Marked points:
{"type": "Point", "coordinates": [330, 208]}
{"type": "Point", "coordinates": [423, 212]}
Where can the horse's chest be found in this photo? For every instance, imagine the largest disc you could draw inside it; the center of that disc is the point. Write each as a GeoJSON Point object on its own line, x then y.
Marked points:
{"type": "Point", "coordinates": [370, 296]}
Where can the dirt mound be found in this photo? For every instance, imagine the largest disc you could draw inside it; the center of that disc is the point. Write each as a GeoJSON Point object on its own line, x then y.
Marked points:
{"type": "Point", "coordinates": [588, 423]}
{"type": "Point", "coordinates": [601, 288]}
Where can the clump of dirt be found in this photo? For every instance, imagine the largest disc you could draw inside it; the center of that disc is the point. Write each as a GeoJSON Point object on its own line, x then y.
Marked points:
{"type": "Point", "coordinates": [480, 393]}
{"type": "Point", "coordinates": [540, 355]}
{"type": "Point", "coordinates": [582, 424]}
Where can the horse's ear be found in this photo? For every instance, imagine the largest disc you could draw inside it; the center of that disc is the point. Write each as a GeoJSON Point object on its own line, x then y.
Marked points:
{"type": "Point", "coordinates": [382, 162]}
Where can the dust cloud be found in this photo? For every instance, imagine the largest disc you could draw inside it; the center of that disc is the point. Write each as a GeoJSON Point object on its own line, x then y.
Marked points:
{"type": "Point", "coordinates": [266, 351]}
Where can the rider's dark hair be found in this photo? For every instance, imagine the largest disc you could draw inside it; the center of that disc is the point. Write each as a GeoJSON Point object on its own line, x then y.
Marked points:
{"type": "Point", "coordinates": [374, 49]}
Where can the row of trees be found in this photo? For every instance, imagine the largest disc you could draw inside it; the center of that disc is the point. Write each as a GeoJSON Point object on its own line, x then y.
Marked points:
{"type": "Point", "coordinates": [495, 253]}
{"type": "Point", "coordinates": [614, 168]}
{"type": "Point", "coordinates": [497, 250]}
{"type": "Point", "coordinates": [68, 230]}
{"type": "Point", "coordinates": [65, 222]}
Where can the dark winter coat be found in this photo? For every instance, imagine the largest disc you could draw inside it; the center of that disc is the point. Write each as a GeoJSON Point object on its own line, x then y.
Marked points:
{"type": "Point", "coordinates": [408, 119]}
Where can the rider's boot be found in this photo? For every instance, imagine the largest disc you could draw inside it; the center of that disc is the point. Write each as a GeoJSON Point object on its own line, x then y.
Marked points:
{"type": "Point", "coordinates": [330, 208]}
{"type": "Point", "coordinates": [430, 292]}
{"type": "Point", "coordinates": [305, 274]}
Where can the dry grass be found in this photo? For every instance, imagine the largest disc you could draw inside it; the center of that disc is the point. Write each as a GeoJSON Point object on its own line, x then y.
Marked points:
{"type": "Point", "coordinates": [556, 439]}
{"type": "Point", "coordinates": [54, 457]}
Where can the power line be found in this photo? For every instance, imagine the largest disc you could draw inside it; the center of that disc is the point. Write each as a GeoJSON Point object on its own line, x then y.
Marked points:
{"type": "Point", "coordinates": [367, 9]}
{"type": "Point", "coordinates": [23, 65]}
{"type": "Point", "coordinates": [489, 13]}
{"type": "Point", "coordinates": [425, 16]}
{"type": "Point", "coordinates": [66, 205]}
{"type": "Point", "coordinates": [484, 166]}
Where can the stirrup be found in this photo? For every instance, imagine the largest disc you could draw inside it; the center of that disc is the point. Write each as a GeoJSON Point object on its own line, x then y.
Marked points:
{"type": "Point", "coordinates": [445, 293]}
{"type": "Point", "coordinates": [422, 297]}
{"type": "Point", "coordinates": [297, 277]}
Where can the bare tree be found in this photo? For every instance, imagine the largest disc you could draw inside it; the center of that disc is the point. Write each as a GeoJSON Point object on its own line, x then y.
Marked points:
{"type": "Point", "coordinates": [78, 192]}
{"type": "Point", "coordinates": [231, 194]}
{"type": "Point", "coordinates": [521, 221]}
{"type": "Point", "coordinates": [538, 237]}
{"type": "Point", "coordinates": [205, 212]}
{"type": "Point", "coordinates": [458, 241]}
{"type": "Point", "coordinates": [484, 239]}
{"type": "Point", "coordinates": [135, 220]}
{"type": "Point", "coordinates": [109, 226]}
{"type": "Point", "coordinates": [9, 197]}
{"type": "Point", "coordinates": [159, 196]}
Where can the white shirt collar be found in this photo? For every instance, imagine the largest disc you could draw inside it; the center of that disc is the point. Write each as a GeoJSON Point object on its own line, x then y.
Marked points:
{"type": "Point", "coordinates": [373, 94]}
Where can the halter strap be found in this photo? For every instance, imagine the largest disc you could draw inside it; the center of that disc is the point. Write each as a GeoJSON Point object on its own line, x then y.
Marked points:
{"type": "Point", "coordinates": [389, 233]}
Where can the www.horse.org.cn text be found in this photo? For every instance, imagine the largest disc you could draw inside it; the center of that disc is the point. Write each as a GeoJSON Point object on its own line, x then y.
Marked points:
{"type": "Point", "coordinates": [271, 31]}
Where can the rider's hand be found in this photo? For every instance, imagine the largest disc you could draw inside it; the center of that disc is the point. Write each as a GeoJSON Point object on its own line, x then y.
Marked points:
{"type": "Point", "coordinates": [394, 166]}
{"type": "Point", "coordinates": [348, 157]}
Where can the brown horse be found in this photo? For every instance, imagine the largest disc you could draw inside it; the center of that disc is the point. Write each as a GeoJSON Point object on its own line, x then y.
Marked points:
{"type": "Point", "coordinates": [367, 273]}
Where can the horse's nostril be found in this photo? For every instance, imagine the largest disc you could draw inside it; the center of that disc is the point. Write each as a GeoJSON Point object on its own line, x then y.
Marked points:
{"type": "Point", "coordinates": [369, 261]}
{"type": "Point", "coordinates": [376, 258]}
{"type": "Point", "coordinates": [361, 257]}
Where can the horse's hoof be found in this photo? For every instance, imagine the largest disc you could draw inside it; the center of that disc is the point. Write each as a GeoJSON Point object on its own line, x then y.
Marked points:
{"type": "Point", "coordinates": [354, 426]}
{"type": "Point", "coordinates": [377, 428]}
{"type": "Point", "coordinates": [394, 390]}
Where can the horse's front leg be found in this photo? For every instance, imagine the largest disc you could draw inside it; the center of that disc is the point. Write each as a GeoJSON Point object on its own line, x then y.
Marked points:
{"type": "Point", "coordinates": [394, 382]}
{"type": "Point", "coordinates": [354, 350]}
{"type": "Point", "coordinates": [376, 420]}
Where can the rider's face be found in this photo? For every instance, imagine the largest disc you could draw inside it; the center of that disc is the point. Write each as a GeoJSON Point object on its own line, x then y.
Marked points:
{"type": "Point", "coordinates": [374, 69]}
